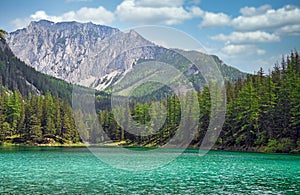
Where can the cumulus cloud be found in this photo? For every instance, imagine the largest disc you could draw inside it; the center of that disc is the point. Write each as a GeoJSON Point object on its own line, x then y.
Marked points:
{"type": "Point", "coordinates": [267, 19]}
{"type": "Point", "coordinates": [260, 52]}
{"type": "Point", "coordinates": [168, 12]}
{"type": "Point", "coordinates": [254, 26]}
{"type": "Point", "coordinates": [161, 3]}
{"type": "Point", "coordinates": [263, 18]}
{"type": "Point", "coordinates": [215, 19]}
{"type": "Point", "coordinates": [155, 12]}
{"type": "Point", "coordinates": [247, 37]}
{"type": "Point", "coordinates": [289, 30]}
{"type": "Point", "coordinates": [96, 15]}
{"type": "Point", "coordinates": [39, 15]}
{"type": "Point", "coordinates": [252, 11]}
{"type": "Point", "coordinates": [235, 50]}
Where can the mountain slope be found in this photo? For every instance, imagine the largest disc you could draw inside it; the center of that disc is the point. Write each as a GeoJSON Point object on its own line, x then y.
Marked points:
{"type": "Point", "coordinates": [75, 52]}
{"type": "Point", "coordinates": [90, 55]}
{"type": "Point", "coordinates": [15, 74]}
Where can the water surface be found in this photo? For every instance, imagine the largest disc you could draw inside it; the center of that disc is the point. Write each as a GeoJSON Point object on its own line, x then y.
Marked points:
{"type": "Point", "coordinates": [56, 170]}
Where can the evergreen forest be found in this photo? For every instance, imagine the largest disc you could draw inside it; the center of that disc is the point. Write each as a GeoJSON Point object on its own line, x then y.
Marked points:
{"type": "Point", "coordinates": [262, 111]}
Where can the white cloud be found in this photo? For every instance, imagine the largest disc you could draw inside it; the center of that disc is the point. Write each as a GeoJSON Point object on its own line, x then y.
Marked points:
{"type": "Point", "coordinates": [289, 30]}
{"type": "Point", "coordinates": [196, 11]}
{"type": "Point", "coordinates": [287, 15]}
{"type": "Point", "coordinates": [260, 52]}
{"type": "Point", "coordinates": [195, 2]}
{"type": "Point", "coordinates": [96, 15]}
{"type": "Point", "coordinates": [254, 26]}
{"type": "Point", "coordinates": [215, 19]}
{"type": "Point", "coordinates": [160, 12]}
{"type": "Point", "coordinates": [247, 37]}
{"type": "Point", "coordinates": [282, 21]}
{"type": "Point", "coordinates": [236, 50]}
{"type": "Point", "coordinates": [160, 3]}
{"type": "Point", "coordinates": [247, 58]}
{"type": "Point", "coordinates": [252, 11]}
{"type": "Point", "coordinates": [168, 12]}
{"type": "Point", "coordinates": [39, 15]}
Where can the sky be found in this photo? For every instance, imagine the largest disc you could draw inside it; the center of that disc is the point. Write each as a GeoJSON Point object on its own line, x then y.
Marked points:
{"type": "Point", "coordinates": [244, 34]}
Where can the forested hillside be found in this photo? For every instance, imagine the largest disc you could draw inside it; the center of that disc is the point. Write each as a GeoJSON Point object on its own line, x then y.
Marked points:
{"type": "Point", "coordinates": [35, 119]}
{"type": "Point", "coordinates": [263, 114]}
{"type": "Point", "coordinates": [34, 107]}
{"type": "Point", "coordinates": [15, 74]}
{"type": "Point", "coordinates": [263, 111]}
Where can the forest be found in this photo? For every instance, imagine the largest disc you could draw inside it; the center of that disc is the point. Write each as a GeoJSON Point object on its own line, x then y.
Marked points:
{"type": "Point", "coordinates": [263, 114]}
{"type": "Point", "coordinates": [263, 111]}
{"type": "Point", "coordinates": [35, 119]}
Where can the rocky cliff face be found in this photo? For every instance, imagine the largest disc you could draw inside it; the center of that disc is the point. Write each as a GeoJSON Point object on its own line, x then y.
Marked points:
{"type": "Point", "coordinates": [86, 54]}
{"type": "Point", "coordinates": [92, 55]}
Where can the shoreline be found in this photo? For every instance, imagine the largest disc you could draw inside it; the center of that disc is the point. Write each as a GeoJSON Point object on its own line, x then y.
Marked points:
{"type": "Point", "coordinates": [116, 144]}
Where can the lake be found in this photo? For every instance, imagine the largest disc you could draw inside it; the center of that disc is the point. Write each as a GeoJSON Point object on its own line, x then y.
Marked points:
{"type": "Point", "coordinates": [59, 170]}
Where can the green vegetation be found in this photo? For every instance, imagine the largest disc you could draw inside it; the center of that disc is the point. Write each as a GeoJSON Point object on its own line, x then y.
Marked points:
{"type": "Point", "coordinates": [29, 113]}
{"type": "Point", "coordinates": [263, 114]}
{"type": "Point", "coordinates": [15, 74]}
{"type": "Point", "coordinates": [2, 35]}
{"type": "Point", "coordinates": [35, 119]}
{"type": "Point", "coordinates": [2, 32]}
{"type": "Point", "coordinates": [263, 111]}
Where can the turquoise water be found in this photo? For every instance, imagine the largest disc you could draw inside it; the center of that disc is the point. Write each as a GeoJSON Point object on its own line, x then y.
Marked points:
{"type": "Point", "coordinates": [55, 170]}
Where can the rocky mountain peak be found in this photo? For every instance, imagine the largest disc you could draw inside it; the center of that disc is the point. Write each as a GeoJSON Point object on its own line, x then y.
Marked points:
{"type": "Point", "coordinates": [80, 53]}
{"type": "Point", "coordinates": [88, 54]}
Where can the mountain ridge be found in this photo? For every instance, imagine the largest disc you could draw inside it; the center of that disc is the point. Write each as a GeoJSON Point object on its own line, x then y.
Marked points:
{"type": "Point", "coordinates": [15, 74]}
{"type": "Point", "coordinates": [86, 54]}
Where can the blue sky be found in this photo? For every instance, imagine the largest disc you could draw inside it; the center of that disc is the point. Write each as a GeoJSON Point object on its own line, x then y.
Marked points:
{"type": "Point", "coordinates": [244, 34]}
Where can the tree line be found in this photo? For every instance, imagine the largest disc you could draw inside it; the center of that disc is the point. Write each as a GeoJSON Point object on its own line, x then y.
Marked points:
{"type": "Point", "coordinates": [35, 119]}
{"type": "Point", "coordinates": [263, 111]}
{"type": "Point", "coordinates": [263, 114]}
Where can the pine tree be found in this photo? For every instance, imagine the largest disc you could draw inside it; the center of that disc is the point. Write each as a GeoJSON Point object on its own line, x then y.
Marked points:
{"type": "Point", "coordinates": [205, 108]}
{"type": "Point", "coordinates": [35, 129]}
{"type": "Point", "coordinates": [13, 109]}
{"type": "Point", "coordinates": [48, 115]}
{"type": "Point", "coordinates": [57, 117]}
{"type": "Point", "coordinates": [247, 118]}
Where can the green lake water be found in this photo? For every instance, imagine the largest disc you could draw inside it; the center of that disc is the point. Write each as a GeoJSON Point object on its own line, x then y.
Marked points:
{"type": "Point", "coordinates": [55, 170]}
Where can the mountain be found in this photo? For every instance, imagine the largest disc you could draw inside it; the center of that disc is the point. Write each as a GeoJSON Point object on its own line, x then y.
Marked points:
{"type": "Point", "coordinates": [75, 52]}
{"type": "Point", "coordinates": [90, 55]}
{"type": "Point", "coordinates": [15, 74]}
